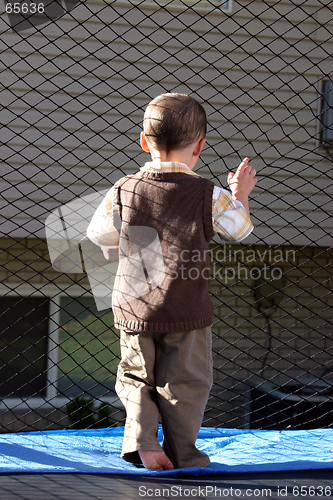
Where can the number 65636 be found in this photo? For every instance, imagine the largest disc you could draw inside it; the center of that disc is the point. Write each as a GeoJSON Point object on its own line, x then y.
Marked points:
{"type": "Point", "coordinates": [24, 8]}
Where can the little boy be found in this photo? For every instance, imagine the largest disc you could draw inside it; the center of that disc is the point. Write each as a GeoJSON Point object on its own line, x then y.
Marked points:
{"type": "Point", "coordinates": [166, 360]}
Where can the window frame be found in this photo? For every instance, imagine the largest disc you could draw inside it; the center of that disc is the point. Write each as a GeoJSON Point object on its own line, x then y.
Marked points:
{"type": "Point", "coordinates": [182, 5]}
{"type": "Point", "coordinates": [53, 293]}
{"type": "Point", "coordinates": [321, 126]}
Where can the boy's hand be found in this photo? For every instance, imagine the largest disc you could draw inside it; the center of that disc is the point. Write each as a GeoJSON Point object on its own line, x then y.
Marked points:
{"type": "Point", "coordinates": [243, 180]}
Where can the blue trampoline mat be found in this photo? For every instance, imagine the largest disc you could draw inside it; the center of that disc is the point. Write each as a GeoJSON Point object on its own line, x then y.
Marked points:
{"type": "Point", "coordinates": [97, 451]}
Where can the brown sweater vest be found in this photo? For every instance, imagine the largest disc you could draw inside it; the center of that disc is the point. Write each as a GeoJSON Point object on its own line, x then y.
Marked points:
{"type": "Point", "coordinates": [166, 226]}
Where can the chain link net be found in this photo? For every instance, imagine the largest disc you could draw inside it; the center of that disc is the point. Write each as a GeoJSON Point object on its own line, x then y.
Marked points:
{"type": "Point", "coordinates": [76, 78]}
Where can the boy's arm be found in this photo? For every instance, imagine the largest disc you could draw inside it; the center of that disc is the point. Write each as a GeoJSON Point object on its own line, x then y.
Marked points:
{"type": "Point", "coordinates": [242, 182]}
{"type": "Point", "coordinates": [231, 215]}
{"type": "Point", "coordinates": [101, 230]}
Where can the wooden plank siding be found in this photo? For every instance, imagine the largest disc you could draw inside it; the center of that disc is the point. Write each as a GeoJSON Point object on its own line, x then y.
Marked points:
{"type": "Point", "coordinates": [75, 91]}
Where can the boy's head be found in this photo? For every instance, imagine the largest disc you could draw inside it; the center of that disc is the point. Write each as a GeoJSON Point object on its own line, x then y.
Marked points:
{"type": "Point", "coordinates": [174, 121]}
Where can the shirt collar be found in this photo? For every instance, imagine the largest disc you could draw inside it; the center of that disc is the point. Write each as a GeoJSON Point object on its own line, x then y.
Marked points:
{"type": "Point", "coordinates": [167, 167]}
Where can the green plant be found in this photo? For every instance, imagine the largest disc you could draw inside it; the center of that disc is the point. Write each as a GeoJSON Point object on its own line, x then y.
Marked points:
{"type": "Point", "coordinates": [103, 416]}
{"type": "Point", "coordinates": [81, 414]}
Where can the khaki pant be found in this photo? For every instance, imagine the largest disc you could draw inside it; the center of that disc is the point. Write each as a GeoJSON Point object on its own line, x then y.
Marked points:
{"type": "Point", "coordinates": [170, 374]}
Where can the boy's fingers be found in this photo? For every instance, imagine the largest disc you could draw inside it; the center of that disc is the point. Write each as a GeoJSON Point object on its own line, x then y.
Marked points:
{"type": "Point", "coordinates": [250, 171]}
{"type": "Point", "coordinates": [243, 165]}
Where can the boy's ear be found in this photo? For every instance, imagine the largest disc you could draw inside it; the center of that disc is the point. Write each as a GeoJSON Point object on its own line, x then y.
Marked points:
{"type": "Point", "coordinates": [199, 146]}
{"type": "Point", "coordinates": [143, 143]}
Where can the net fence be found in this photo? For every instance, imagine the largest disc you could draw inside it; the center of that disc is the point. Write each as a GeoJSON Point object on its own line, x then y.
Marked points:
{"type": "Point", "coordinates": [75, 80]}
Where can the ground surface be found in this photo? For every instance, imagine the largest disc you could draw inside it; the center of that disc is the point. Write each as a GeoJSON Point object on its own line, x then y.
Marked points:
{"type": "Point", "coordinates": [290, 485]}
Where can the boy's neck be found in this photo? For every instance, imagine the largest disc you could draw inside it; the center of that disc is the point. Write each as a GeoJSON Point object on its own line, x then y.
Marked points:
{"type": "Point", "coordinates": [188, 155]}
{"type": "Point", "coordinates": [175, 158]}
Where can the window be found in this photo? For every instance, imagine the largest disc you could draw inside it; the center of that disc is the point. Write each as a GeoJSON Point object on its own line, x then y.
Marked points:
{"type": "Point", "coordinates": [88, 349]}
{"type": "Point", "coordinates": [23, 346]}
{"type": "Point", "coordinates": [199, 5]}
{"type": "Point", "coordinates": [55, 348]}
{"type": "Point", "coordinates": [326, 115]}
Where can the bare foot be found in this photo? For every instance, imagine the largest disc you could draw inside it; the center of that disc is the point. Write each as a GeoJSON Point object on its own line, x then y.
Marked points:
{"type": "Point", "coordinates": [156, 460]}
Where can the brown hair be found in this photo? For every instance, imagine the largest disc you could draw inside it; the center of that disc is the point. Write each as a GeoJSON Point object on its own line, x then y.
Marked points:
{"type": "Point", "coordinates": [174, 121]}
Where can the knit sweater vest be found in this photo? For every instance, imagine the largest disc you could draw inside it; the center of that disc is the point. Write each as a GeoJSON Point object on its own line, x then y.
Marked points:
{"type": "Point", "coordinates": [163, 277]}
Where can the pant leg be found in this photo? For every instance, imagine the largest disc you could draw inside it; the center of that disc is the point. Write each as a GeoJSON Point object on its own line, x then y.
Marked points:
{"type": "Point", "coordinates": [135, 387]}
{"type": "Point", "coordinates": [183, 383]}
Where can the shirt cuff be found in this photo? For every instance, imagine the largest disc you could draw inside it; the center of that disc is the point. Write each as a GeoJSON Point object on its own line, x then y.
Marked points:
{"type": "Point", "coordinates": [230, 219]}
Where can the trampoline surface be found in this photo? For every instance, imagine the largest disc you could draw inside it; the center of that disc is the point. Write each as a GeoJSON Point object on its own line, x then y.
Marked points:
{"type": "Point", "coordinates": [86, 465]}
{"type": "Point", "coordinates": [97, 451]}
